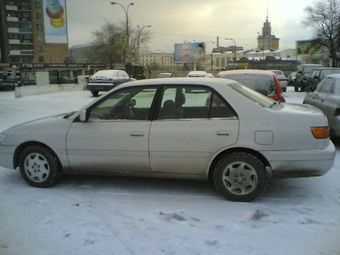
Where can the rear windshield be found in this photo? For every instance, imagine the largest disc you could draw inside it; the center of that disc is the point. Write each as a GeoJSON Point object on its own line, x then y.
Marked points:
{"type": "Point", "coordinates": [256, 97]}
{"type": "Point", "coordinates": [262, 83]}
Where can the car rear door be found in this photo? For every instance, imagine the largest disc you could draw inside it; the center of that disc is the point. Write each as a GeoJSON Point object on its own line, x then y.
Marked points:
{"type": "Point", "coordinates": [185, 144]}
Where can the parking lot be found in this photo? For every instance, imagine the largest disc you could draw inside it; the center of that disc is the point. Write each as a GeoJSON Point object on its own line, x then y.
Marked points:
{"type": "Point", "coordinates": [121, 215]}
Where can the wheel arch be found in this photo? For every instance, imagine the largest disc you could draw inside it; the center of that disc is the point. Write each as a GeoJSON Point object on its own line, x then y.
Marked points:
{"type": "Point", "coordinates": [23, 146]}
{"type": "Point", "coordinates": [255, 153]}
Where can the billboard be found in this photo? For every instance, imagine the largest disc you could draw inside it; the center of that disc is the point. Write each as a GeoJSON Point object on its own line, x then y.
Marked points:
{"type": "Point", "coordinates": [189, 52]}
{"type": "Point", "coordinates": [55, 21]}
{"type": "Point", "coordinates": [304, 47]}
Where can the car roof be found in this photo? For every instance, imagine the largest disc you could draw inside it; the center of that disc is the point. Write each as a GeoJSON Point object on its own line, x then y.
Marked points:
{"type": "Point", "coordinates": [179, 81]}
{"type": "Point", "coordinates": [335, 75]}
{"type": "Point", "coordinates": [326, 68]}
{"type": "Point", "coordinates": [244, 71]}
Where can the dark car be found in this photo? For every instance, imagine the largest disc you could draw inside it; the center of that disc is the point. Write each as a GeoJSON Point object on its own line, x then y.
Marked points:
{"type": "Point", "coordinates": [105, 80]}
{"type": "Point", "coordinates": [265, 82]}
{"type": "Point", "coordinates": [315, 76]}
{"type": "Point", "coordinates": [302, 73]}
{"type": "Point", "coordinates": [326, 97]}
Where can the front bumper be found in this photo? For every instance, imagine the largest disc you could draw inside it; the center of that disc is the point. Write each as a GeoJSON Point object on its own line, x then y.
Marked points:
{"type": "Point", "coordinates": [301, 163]}
{"type": "Point", "coordinates": [6, 156]}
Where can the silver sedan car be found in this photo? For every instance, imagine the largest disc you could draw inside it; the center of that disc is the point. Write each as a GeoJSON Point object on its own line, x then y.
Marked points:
{"type": "Point", "coordinates": [326, 97]}
{"type": "Point", "coordinates": [222, 131]}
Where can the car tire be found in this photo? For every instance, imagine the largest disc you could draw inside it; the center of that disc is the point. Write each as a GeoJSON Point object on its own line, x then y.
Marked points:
{"type": "Point", "coordinates": [95, 93]}
{"type": "Point", "coordinates": [240, 177]}
{"type": "Point", "coordinates": [39, 166]}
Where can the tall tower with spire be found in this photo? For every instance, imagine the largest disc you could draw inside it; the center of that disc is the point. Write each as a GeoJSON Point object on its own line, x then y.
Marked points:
{"type": "Point", "coordinates": [267, 41]}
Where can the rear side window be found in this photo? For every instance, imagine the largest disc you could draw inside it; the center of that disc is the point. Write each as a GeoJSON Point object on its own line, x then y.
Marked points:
{"type": "Point", "coordinates": [183, 102]}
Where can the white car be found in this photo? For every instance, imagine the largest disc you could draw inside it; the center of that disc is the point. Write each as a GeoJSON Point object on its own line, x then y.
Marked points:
{"type": "Point", "coordinates": [199, 74]}
{"type": "Point", "coordinates": [225, 132]}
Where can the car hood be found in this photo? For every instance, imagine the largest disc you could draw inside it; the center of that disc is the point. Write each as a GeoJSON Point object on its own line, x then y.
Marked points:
{"type": "Point", "coordinates": [50, 130]}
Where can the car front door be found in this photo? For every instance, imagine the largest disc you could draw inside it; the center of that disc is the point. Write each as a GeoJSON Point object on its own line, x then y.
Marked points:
{"type": "Point", "coordinates": [115, 137]}
{"type": "Point", "coordinates": [188, 133]}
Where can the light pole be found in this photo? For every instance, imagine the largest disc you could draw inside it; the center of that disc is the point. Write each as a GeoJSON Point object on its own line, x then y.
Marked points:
{"type": "Point", "coordinates": [138, 40]}
{"type": "Point", "coordinates": [232, 39]}
{"type": "Point", "coordinates": [210, 54]}
{"type": "Point", "coordinates": [127, 29]}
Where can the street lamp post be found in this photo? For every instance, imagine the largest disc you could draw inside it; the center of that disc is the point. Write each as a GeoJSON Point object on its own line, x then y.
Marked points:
{"type": "Point", "coordinates": [210, 54]}
{"type": "Point", "coordinates": [232, 39]}
{"type": "Point", "coordinates": [127, 28]}
{"type": "Point", "coordinates": [138, 40]}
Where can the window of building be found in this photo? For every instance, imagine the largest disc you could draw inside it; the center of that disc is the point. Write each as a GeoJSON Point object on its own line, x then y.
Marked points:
{"type": "Point", "coordinates": [41, 58]}
{"type": "Point", "coordinates": [39, 27]}
{"type": "Point", "coordinates": [37, 5]}
{"type": "Point", "coordinates": [38, 15]}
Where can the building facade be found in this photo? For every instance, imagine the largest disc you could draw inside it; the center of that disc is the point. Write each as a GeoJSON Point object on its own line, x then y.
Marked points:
{"type": "Point", "coordinates": [267, 41]}
{"type": "Point", "coordinates": [33, 31]}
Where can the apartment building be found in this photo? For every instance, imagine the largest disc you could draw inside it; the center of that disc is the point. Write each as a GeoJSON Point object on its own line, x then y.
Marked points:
{"type": "Point", "coordinates": [33, 31]}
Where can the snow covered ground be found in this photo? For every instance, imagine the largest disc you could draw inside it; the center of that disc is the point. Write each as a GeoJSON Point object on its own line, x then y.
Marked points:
{"type": "Point", "coordinates": [117, 215]}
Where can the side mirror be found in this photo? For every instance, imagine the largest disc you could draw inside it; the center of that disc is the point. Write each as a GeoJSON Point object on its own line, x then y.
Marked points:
{"type": "Point", "coordinates": [83, 116]}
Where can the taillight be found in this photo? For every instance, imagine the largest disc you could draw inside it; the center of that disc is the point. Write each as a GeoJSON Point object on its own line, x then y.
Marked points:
{"type": "Point", "coordinates": [337, 112]}
{"type": "Point", "coordinates": [321, 132]}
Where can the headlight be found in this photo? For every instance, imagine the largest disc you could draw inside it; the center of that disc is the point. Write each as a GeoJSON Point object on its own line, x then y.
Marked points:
{"type": "Point", "coordinates": [2, 137]}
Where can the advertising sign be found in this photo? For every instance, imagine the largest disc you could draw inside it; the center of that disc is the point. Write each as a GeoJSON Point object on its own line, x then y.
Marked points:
{"type": "Point", "coordinates": [304, 47]}
{"type": "Point", "coordinates": [55, 21]}
{"type": "Point", "coordinates": [189, 52]}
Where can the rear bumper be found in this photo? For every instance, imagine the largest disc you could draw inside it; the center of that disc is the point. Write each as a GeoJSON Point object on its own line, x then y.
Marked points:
{"type": "Point", "coordinates": [100, 87]}
{"type": "Point", "coordinates": [301, 163]}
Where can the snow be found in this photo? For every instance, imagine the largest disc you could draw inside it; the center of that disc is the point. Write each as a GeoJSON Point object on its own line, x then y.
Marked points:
{"type": "Point", "coordinates": [120, 215]}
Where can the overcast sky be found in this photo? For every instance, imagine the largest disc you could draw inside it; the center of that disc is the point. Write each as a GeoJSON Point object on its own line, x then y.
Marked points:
{"type": "Point", "coordinates": [176, 21]}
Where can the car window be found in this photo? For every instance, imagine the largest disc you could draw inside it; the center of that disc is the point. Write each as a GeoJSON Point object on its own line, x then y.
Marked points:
{"type": "Point", "coordinates": [327, 86]}
{"type": "Point", "coordinates": [181, 102]}
{"type": "Point", "coordinates": [125, 104]}
{"type": "Point", "coordinates": [262, 83]}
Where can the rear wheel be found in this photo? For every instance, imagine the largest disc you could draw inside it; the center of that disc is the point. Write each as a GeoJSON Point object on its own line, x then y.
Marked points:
{"type": "Point", "coordinates": [240, 177]}
{"type": "Point", "coordinates": [95, 93]}
{"type": "Point", "coordinates": [39, 166]}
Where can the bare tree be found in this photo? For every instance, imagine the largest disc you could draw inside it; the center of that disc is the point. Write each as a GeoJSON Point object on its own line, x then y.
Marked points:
{"type": "Point", "coordinates": [324, 18]}
{"type": "Point", "coordinates": [110, 47]}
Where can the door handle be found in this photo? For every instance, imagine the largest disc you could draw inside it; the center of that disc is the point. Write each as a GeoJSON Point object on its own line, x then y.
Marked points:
{"type": "Point", "coordinates": [223, 133]}
{"type": "Point", "coordinates": [136, 134]}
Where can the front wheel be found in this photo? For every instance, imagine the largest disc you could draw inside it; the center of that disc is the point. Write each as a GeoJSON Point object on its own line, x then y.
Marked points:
{"type": "Point", "coordinates": [39, 166]}
{"type": "Point", "coordinates": [240, 177]}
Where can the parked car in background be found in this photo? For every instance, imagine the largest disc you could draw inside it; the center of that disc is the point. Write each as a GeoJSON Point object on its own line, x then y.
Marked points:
{"type": "Point", "coordinates": [316, 75]}
{"type": "Point", "coordinates": [265, 82]}
{"type": "Point", "coordinates": [291, 78]}
{"type": "Point", "coordinates": [28, 80]}
{"type": "Point", "coordinates": [326, 97]}
{"type": "Point", "coordinates": [165, 75]}
{"type": "Point", "coordinates": [153, 128]}
{"type": "Point", "coordinates": [301, 74]}
{"type": "Point", "coordinates": [198, 74]}
{"type": "Point", "coordinates": [210, 75]}
{"type": "Point", "coordinates": [105, 80]}
{"type": "Point", "coordinates": [282, 79]}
